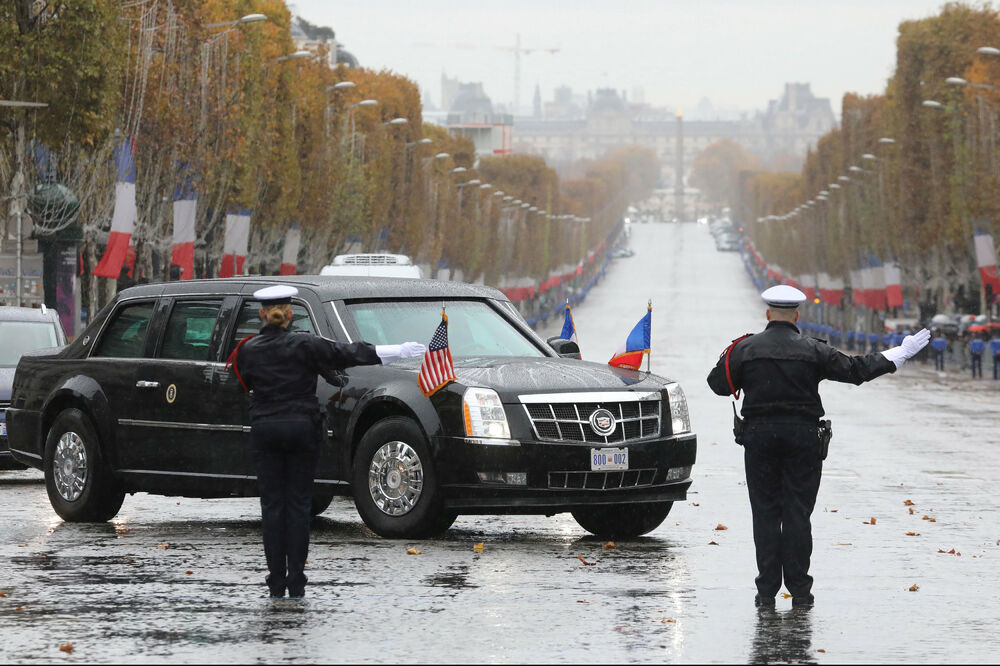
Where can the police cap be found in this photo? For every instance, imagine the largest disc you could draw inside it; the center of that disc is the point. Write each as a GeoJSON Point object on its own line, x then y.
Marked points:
{"type": "Point", "coordinates": [277, 295]}
{"type": "Point", "coordinates": [783, 296]}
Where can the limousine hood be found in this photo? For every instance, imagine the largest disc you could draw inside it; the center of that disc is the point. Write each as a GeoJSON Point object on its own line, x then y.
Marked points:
{"type": "Point", "coordinates": [511, 376]}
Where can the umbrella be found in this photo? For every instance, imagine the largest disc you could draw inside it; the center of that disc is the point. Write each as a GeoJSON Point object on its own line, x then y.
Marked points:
{"type": "Point", "coordinates": [942, 319]}
{"type": "Point", "coordinates": [978, 328]}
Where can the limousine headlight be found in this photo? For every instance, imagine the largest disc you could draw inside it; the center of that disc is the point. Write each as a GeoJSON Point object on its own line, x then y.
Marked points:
{"type": "Point", "coordinates": [484, 414]}
{"type": "Point", "coordinates": [680, 418]}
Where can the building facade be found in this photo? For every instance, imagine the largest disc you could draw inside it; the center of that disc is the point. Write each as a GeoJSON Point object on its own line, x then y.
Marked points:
{"type": "Point", "coordinates": [786, 129]}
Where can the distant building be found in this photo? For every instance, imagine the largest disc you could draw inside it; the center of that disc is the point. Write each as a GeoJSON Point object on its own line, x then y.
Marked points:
{"type": "Point", "coordinates": [788, 127]}
{"type": "Point", "coordinates": [309, 37]}
{"type": "Point", "coordinates": [470, 114]}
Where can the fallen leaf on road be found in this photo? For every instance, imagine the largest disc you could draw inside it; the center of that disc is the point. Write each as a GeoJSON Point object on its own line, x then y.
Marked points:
{"type": "Point", "coordinates": [870, 521]}
{"type": "Point", "coordinates": [585, 562]}
{"type": "Point", "coordinates": [912, 511]}
{"type": "Point", "coordinates": [2, 595]}
{"type": "Point", "coordinates": [665, 620]}
{"type": "Point", "coordinates": [479, 547]}
{"type": "Point", "coordinates": [163, 546]}
{"type": "Point", "coordinates": [912, 534]}
{"type": "Point", "coordinates": [844, 543]}
{"type": "Point", "coordinates": [786, 595]}
{"type": "Point", "coordinates": [695, 504]}
{"type": "Point", "coordinates": [189, 572]}
{"type": "Point", "coordinates": [413, 551]}
{"type": "Point", "coordinates": [914, 587]}
{"type": "Point", "coordinates": [66, 647]}
{"type": "Point", "coordinates": [611, 545]}
{"type": "Point", "coordinates": [821, 650]}
{"type": "Point", "coordinates": [581, 601]}
{"type": "Point", "coordinates": [19, 608]}
{"type": "Point", "coordinates": [712, 543]}
{"type": "Point", "coordinates": [834, 510]}
{"type": "Point", "coordinates": [720, 526]}
{"type": "Point", "coordinates": [908, 503]}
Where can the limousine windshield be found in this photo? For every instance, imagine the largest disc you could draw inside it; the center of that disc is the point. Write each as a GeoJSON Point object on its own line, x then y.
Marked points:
{"type": "Point", "coordinates": [474, 328]}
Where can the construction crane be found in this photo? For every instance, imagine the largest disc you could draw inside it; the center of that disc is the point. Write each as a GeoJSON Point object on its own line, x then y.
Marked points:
{"type": "Point", "coordinates": [517, 50]}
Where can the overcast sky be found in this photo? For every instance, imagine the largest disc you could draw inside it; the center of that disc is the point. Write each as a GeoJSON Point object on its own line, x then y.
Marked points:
{"type": "Point", "coordinates": [737, 53]}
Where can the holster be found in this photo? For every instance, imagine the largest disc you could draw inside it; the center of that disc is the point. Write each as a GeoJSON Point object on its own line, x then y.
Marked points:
{"type": "Point", "coordinates": [738, 426]}
{"type": "Point", "coordinates": [825, 435]}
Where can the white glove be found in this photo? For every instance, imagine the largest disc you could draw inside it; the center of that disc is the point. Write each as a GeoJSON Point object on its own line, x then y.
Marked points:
{"type": "Point", "coordinates": [415, 349]}
{"type": "Point", "coordinates": [390, 353]}
{"type": "Point", "coordinates": [911, 345]}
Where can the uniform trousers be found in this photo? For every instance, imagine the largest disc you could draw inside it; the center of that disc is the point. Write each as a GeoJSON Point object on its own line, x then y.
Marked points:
{"type": "Point", "coordinates": [977, 365]}
{"type": "Point", "coordinates": [939, 359]}
{"type": "Point", "coordinates": [286, 453]}
{"type": "Point", "coordinates": [783, 468]}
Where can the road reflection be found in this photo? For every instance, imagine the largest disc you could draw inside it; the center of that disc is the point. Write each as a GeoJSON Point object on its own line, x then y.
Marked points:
{"type": "Point", "coordinates": [784, 637]}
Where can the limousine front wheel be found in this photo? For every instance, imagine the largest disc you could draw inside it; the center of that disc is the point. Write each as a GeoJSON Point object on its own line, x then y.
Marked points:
{"type": "Point", "coordinates": [395, 486]}
{"type": "Point", "coordinates": [80, 485]}
{"type": "Point", "coordinates": [622, 521]}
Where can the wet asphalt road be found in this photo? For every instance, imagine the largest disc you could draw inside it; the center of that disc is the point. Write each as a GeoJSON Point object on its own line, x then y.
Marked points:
{"type": "Point", "coordinates": [181, 580]}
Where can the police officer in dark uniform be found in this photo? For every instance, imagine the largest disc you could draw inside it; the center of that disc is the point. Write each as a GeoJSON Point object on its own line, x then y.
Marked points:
{"type": "Point", "coordinates": [779, 370]}
{"type": "Point", "coordinates": [280, 368]}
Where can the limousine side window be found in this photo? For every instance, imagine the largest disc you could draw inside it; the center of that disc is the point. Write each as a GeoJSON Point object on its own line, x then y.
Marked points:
{"type": "Point", "coordinates": [125, 336]}
{"type": "Point", "coordinates": [249, 322]}
{"type": "Point", "coordinates": [189, 330]}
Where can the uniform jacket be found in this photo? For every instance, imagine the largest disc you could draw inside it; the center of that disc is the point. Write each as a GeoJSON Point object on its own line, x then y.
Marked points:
{"type": "Point", "coordinates": [281, 368]}
{"type": "Point", "coordinates": [977, 346]}
{"type": "Point", "coordinates": [779, 371]}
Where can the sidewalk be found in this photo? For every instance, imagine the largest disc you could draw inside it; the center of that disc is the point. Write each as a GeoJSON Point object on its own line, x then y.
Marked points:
{"type": "Point", "coordinates": [954, 376]}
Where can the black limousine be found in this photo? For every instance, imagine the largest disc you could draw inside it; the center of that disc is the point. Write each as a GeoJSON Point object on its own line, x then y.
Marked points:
{"type": "Point", "coordinates": [142, 401]}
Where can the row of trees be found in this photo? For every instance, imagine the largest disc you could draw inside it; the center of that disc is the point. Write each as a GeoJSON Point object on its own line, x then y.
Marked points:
{"type": "Point", "coordinates": [909, 176]}
{"type": "Point", "coordinates": [228, 105]}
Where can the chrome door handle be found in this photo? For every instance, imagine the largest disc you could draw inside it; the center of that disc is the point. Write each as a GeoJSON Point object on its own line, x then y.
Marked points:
{"type": "Point", "coordinates": [144, 384]}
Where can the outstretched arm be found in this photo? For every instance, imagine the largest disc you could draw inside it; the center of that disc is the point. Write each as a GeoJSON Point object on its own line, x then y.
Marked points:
{"type": "Point", "coordinates": [390, 353]}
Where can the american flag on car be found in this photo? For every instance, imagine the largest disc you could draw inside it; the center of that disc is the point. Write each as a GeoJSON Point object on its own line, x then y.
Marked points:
{"type": "Point", "coordinates": [437, 368]}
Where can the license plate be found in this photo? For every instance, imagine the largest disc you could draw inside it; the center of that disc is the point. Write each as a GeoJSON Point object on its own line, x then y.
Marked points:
{"type": "Point", "coordinates": [608, 459]}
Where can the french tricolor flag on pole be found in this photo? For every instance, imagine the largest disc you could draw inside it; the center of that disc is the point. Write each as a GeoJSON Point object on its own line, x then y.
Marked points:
{"type": "Point", "coordinates": [124, 216]}
{"type": "Point", "coordinates": [236, 242]}
{"type": "Point", "coordinates": [893, 285]}
{"type": "Point", "coordinates": [636, 345]}
{"type": "Point", "coordinates": [290, 253]}
{"type": "Point", "coordinates": [986, 259]}
{"type": "Point", "coordinates": [185, 207]}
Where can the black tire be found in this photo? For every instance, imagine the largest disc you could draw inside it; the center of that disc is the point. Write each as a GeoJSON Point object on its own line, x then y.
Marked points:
{"type": "Point", "coordinates": [394, 462]}
{"type": "Point", "coordinates": [79, 481]}
{"type": "Point", "coordinates": [622, 521]}
{"type": "Point", "coordinates": [321, 503]}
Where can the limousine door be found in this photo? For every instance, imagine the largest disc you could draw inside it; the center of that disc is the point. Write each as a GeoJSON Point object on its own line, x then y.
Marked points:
{"type": "Point", "coordinates": [231, 398]}
{"type": "Point", "coordinates": [187, 438]}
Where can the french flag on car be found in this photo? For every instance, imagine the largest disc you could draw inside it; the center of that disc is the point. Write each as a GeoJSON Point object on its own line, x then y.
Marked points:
{"type": "Point", "coordinates": [636, 345]}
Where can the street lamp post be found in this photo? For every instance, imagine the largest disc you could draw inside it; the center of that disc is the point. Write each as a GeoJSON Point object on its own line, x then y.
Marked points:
{"type": "Point", "coordinates": [19, 197]}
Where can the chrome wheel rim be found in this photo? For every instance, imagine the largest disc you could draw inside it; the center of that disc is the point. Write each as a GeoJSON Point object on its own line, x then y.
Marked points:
{"type": "Point", "coordinates": [395, 478]}
{"type": "Point", "coordinates": [69, 466]}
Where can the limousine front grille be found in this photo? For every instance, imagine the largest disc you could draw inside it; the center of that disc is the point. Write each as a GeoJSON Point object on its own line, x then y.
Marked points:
{"type": "Point", "coordinates": [570, 421]}
{"type": "Point", "coordinates": [632, 478]}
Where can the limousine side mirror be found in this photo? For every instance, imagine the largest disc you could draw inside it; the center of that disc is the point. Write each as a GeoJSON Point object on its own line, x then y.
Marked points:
{"type": "Point", "coordinates": [565, 348]}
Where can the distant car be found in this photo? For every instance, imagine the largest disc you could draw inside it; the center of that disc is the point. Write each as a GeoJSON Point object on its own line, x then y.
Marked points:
{"type": "Point", "coordinates": [623, 252]}
{"type": "Point", "coordinates": [728, 242]}
{"type": "Point", "coordinates": [21, 330]}
{"type": "Point", "coordinates": [372, 265]}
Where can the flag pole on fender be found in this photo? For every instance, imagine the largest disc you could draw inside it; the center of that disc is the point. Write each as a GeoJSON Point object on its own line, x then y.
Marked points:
{"type": "Point", "coordinates": [649, 354]}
